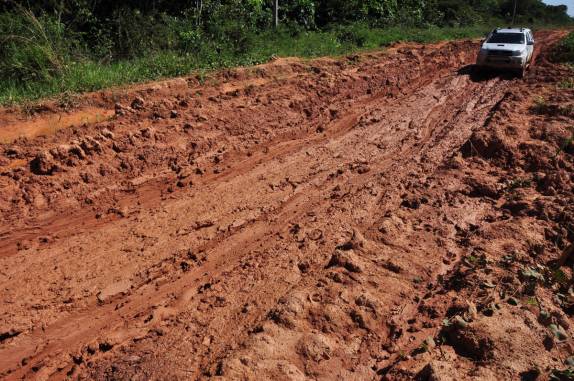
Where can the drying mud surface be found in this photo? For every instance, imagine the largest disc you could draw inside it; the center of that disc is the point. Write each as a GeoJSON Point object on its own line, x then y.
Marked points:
{"type": "Point", "coordinates": [386, 216]}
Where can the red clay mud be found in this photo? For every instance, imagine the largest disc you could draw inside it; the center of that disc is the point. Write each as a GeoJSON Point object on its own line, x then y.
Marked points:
{"type": "Point", "coordinates": [390, 215]}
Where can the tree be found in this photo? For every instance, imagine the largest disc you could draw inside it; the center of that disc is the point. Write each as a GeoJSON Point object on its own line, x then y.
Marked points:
{"type": "Point", "coordinates": [275, 13]}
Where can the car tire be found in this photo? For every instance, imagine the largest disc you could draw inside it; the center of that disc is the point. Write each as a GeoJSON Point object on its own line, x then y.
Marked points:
{"type": "Point", "coordinates": [520, 73]}
{"type": "Point", "coordinates": [476, 70]}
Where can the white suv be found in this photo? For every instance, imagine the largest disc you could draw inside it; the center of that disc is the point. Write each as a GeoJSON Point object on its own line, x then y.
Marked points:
{"type": "Point", "coordinates": [507, 49]}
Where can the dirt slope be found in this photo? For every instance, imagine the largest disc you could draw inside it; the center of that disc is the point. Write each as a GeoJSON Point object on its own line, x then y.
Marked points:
{"type": "Point", "coordinates": [382, 216]}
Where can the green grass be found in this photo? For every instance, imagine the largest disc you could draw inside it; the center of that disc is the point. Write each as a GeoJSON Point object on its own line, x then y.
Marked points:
{"type": "Point", "coordinates": [564, 51]}
{"type": "Point", "coordinates": [85, 75]}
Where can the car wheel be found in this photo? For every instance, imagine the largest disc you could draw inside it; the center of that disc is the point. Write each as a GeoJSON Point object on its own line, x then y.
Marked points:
{"type": "Point", "coordinates": [520, 73]}
{"type": "Point", "coordinates": [476, 70]}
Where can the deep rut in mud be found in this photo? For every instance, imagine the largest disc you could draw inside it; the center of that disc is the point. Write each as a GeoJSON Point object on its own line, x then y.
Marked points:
{"type": "Point", "coordinates": [289, 221]}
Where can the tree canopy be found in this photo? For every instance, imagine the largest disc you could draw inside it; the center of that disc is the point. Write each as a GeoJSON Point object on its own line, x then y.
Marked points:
{"type": "Point", "coordinates": [60, 31]}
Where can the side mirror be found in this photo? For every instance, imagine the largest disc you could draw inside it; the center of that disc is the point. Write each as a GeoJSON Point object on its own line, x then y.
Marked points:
{"type": "Point", "coordinates": [530, 43]}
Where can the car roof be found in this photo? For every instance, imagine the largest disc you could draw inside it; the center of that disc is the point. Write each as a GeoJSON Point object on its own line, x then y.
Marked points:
{"type": "Point", "coordinates": [511, 30]}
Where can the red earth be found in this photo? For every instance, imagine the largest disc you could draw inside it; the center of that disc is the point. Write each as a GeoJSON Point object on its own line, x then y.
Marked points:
{"type": "Point", "coordinates": [390, 215]}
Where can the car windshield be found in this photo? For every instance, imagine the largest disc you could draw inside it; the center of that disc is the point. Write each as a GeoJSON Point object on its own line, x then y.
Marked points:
{"type": "Point", "coordinates": [506, 38]}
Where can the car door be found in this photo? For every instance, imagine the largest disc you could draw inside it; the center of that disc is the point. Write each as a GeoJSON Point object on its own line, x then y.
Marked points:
{"type": "Point", "coordinates": [530, 45]}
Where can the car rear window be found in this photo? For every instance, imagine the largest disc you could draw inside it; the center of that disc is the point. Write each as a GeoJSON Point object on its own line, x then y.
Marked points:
{"type": "Point", "coordinates": [507, 38]}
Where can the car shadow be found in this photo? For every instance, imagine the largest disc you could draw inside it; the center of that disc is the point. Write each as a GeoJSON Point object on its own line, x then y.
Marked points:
{"type": "Point", "coordinates": [482, 74]}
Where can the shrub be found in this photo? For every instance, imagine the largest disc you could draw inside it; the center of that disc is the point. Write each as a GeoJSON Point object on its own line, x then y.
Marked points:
{"type": "Point", "coordinates": [31, 48]}
{"type": "Point", "coordinates": [301, 12]}
{"type": "Point", "coordinates": [135, 34]}
{"type": "Point", "coordinates": [356, 35]}
{"type": "Point", "coordinates": [564, 51]}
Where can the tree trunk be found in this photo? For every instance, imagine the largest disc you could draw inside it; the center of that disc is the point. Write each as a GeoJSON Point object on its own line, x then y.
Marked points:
{"type": "Point", "coordinates": [276, 13]}
{"type": "Point", "coordinates": [198, 10]}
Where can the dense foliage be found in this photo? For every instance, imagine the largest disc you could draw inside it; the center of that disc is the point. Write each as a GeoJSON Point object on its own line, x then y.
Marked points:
{"type": "Point", "coordinates": [564, 51]}
{"type": "Point", "coordinates": [47, 38]}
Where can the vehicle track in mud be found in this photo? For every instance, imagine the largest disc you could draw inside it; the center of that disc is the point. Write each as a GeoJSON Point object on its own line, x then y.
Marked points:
{"type": "Point", "coordinates": [261, 226]}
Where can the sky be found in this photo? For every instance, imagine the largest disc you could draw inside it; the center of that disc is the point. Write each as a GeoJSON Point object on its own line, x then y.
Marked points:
{"type": "Point", "coordinates": [569, 3]}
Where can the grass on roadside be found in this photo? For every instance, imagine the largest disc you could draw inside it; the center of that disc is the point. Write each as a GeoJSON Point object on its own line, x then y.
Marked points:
{"type": "Point", "coordinates": [564, 51]}
{"type": "Point", "coordinates": [86, 75]}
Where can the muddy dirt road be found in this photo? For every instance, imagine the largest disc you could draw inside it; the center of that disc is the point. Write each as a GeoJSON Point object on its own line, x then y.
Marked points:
{"type": "Point", "coordinates": [388, 215]}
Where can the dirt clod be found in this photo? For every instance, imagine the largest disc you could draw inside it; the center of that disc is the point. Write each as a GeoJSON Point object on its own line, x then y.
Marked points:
{"type": "Point", "coordinates": [138, 103]}
{"type": "Point", "coordinates": [345, 260]}
{"type": "Point", "coordinates": [43, 164]}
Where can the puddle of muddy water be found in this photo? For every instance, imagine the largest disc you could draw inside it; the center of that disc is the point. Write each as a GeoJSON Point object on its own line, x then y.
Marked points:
{"type": "Point", "coordinates": [49, 124]}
